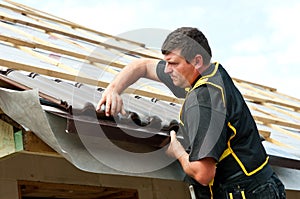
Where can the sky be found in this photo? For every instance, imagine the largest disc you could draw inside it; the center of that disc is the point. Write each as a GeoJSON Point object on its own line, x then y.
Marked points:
{"type": "Point", "coordinates": [255, 40]}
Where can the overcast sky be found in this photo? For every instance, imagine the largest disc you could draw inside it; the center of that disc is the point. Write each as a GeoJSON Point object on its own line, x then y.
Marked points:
{"type": "Point", "coordinates": [255, 40]}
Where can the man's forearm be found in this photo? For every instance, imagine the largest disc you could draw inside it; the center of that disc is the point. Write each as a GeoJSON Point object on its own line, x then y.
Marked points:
{"type": "Point", "coordinates": [131, 73]}
{"type": "Point", "coordinates": [202, 171]}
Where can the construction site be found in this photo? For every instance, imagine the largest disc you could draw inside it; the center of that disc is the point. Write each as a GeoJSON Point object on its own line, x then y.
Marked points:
{"type": "Point", "coordinates": [54, 145]}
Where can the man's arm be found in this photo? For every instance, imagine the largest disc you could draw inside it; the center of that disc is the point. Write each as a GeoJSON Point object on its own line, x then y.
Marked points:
{"type": "Point", "coordinates": [203, 171]}
{"type": "Point", "coordinates": [129, 75]}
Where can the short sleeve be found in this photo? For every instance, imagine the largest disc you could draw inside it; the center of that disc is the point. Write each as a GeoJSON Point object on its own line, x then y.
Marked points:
{"type": "Point", "coordinates": [206, 125]}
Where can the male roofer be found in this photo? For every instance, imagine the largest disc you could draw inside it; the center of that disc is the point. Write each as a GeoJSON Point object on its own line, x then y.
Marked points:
{"type": "Point", "coordinates": [223, 156]}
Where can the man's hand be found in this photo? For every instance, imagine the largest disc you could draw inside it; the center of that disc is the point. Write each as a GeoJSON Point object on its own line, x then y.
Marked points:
{"type": "Point", "coordinates": [203, 170]}
{"type": "Point", "coordinates": [175, 148]}
{"type": "Point", "coordinates": [112, 101]}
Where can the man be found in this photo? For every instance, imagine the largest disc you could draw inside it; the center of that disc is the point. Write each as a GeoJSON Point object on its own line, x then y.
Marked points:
{"type": "Point", "coordinates": [222, 156]}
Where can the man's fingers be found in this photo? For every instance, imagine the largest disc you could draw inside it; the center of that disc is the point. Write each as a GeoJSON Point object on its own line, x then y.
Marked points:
{"type": "Point", "coordinates": [173, 135]}
{"type": "Point", "coordinates": [123, 112]}
{"type": "Point", "coordinates": [121, 106]}
{"type": "Point", "coordinates": [113, 104]}
{"type": "Point", "coordinates": [108, 106]}
{"type": "Point", "coordinates": [100, 103]}
{"type": "Point", "coordinates": [113, 107]}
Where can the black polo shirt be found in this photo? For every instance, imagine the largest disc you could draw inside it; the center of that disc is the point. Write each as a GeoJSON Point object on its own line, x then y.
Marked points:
{"type": "Point", "coordinates": [213, 113]}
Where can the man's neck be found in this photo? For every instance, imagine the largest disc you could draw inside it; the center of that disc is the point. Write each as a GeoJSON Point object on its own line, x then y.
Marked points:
{"type": "Point", "coordinates": [204, 68]}
{"type": "Point", "coordinates": [201, 70]}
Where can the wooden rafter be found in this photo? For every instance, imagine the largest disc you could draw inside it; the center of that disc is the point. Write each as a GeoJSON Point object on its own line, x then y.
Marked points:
{"type": "Point", "coordinates": [268, 97]}
{"type": "Point", "coordinates": [260, 100]}
{"type": "Point", "coordinates": [31, 11]}
{"type": "Point", "coordinates": [237, 80]}
{"type": "Point", "coordinates": [281, 130]}
{"type": "Point", "coordinates": [271, 120]}
{"type": "Point", "coordinates": [32, 189]}
{"type": "Point", "coordinates": [282, 111]}
{"type": "Point", "coordinates": [64, 33]}
{"type": "Point", "coordinates": [35, 45]}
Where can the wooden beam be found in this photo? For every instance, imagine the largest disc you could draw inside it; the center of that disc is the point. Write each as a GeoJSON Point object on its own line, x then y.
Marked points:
{"type": "Point", "coordinates": [278, 143]}
{"type": "Point", "coordinates": [32, 143]}
{"type": "Point", "coordinates": [255, 84]}
{"type": "Point", "coordinates": [288, 96]}
{"type": "Point", "coordinates": [10, 121]}
{"type": "Point", "coordinates": [258, 99]}
{"type": "Point", "coordinates": [264, 133]}
{"type": "Point", "coordinates": [29, 44]}
{"type": "Point", "coordinates": [35, 189]}
{"type": "Point", "coordinates": [280, 110]}
{"type": "Point", "coordinates": [52, 30]}
{"type": "Point", "coordinates": [281, 130]}
{"type": "Point", "coordinates": [271, 95]}
{"type": "Point", "coordinates": [34, 12]}
{"type": "Point", "coordinates": [7, 143]}
{"type": "Point", "coordinates": [269, 120]}
{"type": "Point", "coordinates": [47, 59]}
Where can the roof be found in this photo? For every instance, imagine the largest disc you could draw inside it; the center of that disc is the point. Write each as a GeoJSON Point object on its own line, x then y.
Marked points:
{"type": "Point", "coordinates": [69, 66]}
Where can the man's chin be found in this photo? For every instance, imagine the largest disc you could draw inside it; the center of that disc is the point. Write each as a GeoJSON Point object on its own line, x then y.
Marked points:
{"type": "Point", "coordinates": [178, 85]}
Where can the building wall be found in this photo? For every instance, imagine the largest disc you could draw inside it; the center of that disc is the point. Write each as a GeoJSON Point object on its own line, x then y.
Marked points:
{"type": "Point", "coordinates": [292, 194]}
{"type": "Point", "coordinates": [55, 169]}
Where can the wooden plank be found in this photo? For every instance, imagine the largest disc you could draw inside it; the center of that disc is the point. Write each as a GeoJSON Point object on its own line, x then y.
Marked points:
{"type": "Point", "coordinates": [269, 120]}
{"type": "Point", "coordinates": [48, 60]}
{"type": "Point", "coordinates": [271, 96]}
{"type": "Point", "coordinates": [34, 12]}
{"type": "Point", "coordinates": [16, 42]}
{"type": "Point", "coordinates": [258, 99]}
{"type": "Point", "coordinates": [280, 110]}
{"type": "Point", "coordinates": [248, 86]}
{"type": "Point", "coordinates": [288, 96]}
{"type": "Point", "coordinates": [255, 84]}
{"type": "Point", "coordinates": [25, 34]}
{"type": "Point", "coordinates": [29, 44]}
{"type": "Point", "coordinates": [279, 129]}
{"type": "Point", "coordinates": [90, 51]}
{"type": "Point", "coordinates": [32, 143]}
{"type": "Point", "coordinates": [74, 191]}
{"type": "Point", "coordinates": [281, 144]}
{"type": "Point", "coordinates": [8, 120]}
{"type": "Point", "coordinates": [47, 29]}
{"type": "Point", "coordinates": [7, 143]}
{"type": "Point", "coordinates": [49, 46]}
{"type": "Point", "coordinates": [265, 134]}
{"type": "Point", "coordinates": [51, 73]}
{"type": "Point", "coordinates": [92, 59]}
{"type": "Point", "coordinates": [68, 68]}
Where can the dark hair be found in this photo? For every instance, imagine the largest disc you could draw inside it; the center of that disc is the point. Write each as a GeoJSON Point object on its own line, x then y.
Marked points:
{"type": "Point", "coordinates": [190, 41]}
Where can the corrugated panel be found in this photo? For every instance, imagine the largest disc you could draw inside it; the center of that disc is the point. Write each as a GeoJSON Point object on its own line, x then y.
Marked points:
{"type": "Point", "coordinates": [143, 111]}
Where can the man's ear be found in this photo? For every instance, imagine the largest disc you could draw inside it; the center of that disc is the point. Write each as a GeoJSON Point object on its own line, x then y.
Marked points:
{"type": "Point", "coordinates": [198, 61]}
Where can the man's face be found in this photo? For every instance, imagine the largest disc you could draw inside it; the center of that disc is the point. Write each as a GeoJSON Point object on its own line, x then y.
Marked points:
{"type": "Point", "coordinates": [181, 72]}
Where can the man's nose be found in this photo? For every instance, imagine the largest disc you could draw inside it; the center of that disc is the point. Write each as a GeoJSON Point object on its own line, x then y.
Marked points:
{"type": "Point", "coordinates": [168, 69]}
